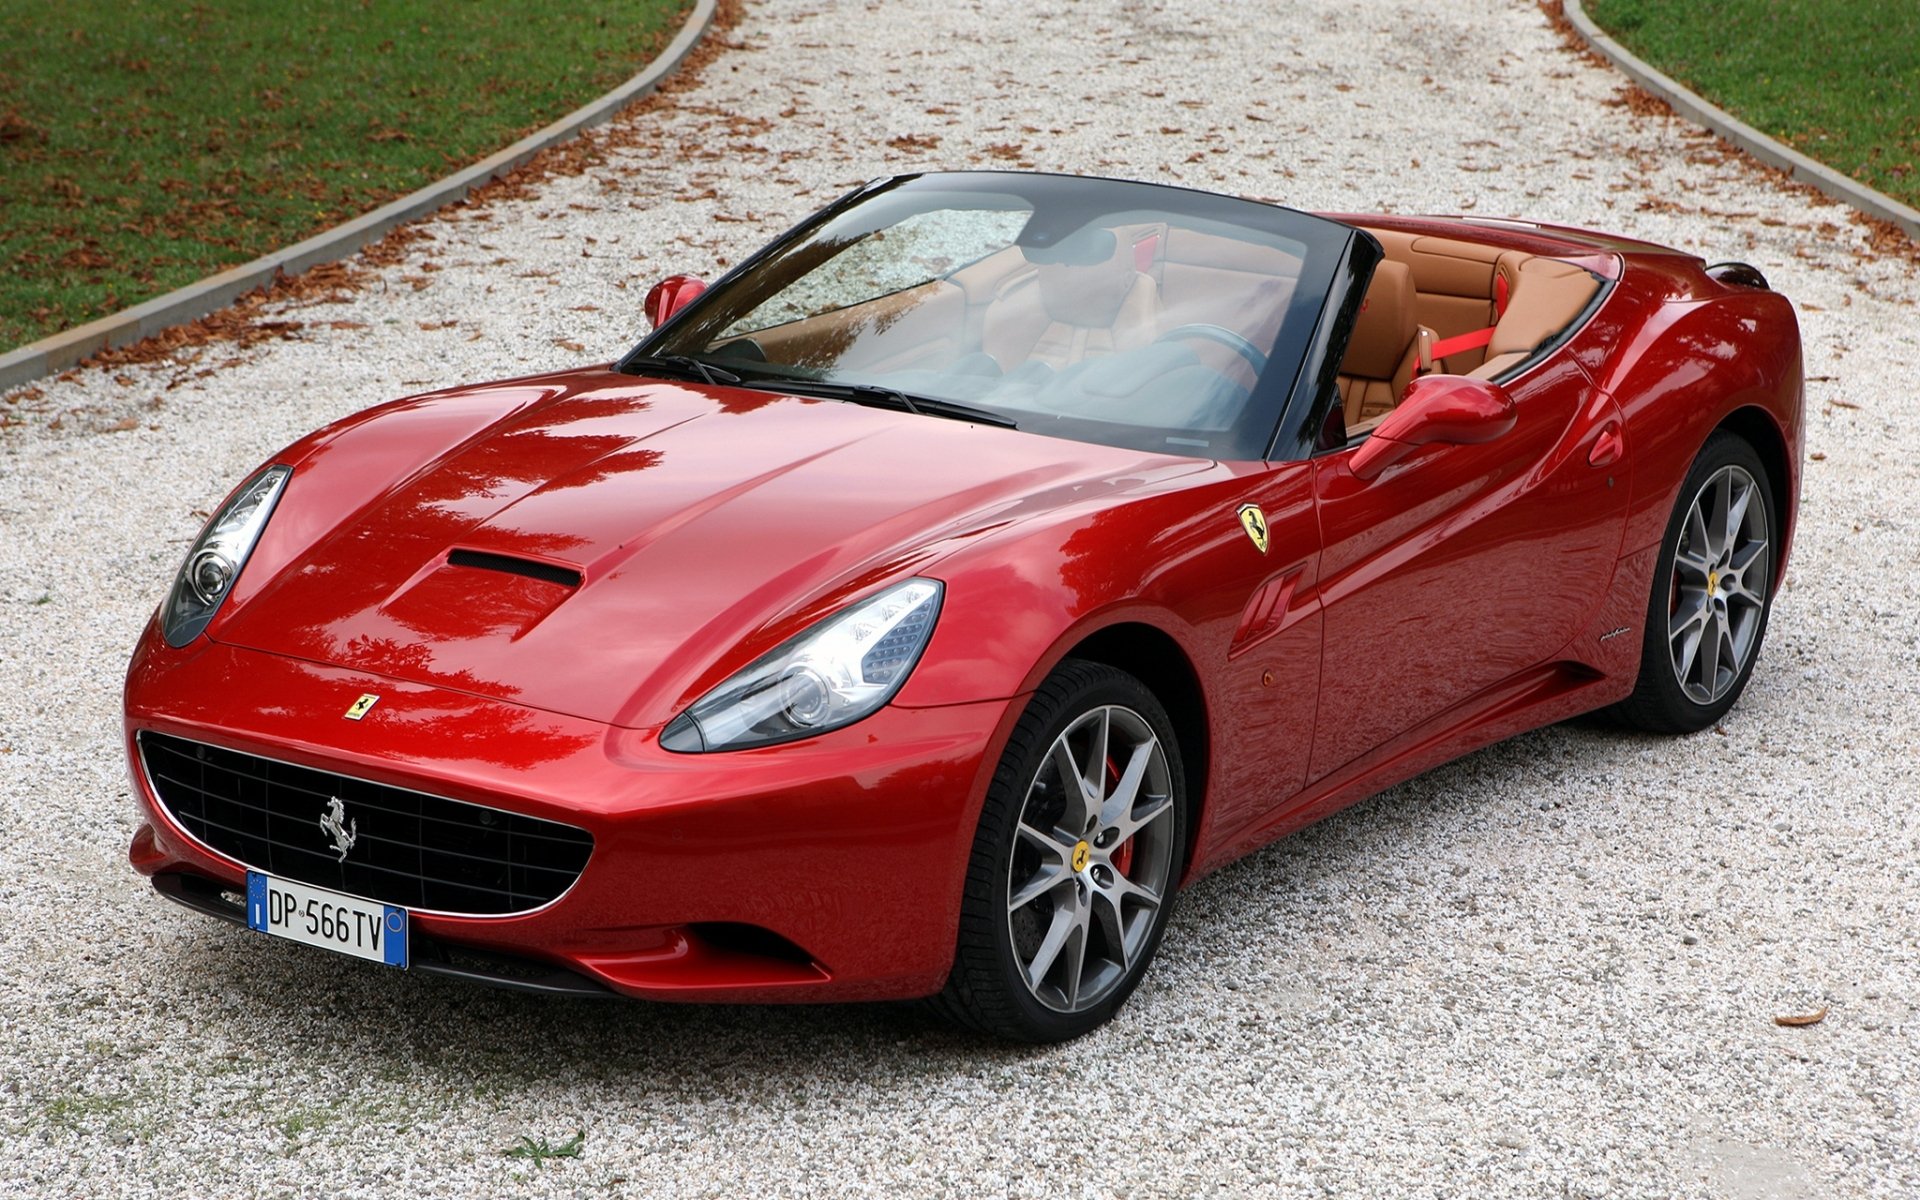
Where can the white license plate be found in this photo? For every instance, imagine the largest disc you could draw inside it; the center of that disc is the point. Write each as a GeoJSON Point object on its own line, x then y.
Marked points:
{"type": "Point", "coordinates": [318, 917]}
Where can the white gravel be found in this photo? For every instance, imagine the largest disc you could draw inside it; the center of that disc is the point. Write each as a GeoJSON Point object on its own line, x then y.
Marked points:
{"type": "Point", "coordinates": [1549, 970]}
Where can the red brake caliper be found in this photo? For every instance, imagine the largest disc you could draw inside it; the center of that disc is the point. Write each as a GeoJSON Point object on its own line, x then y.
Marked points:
{"type": "Point", "coordinates": [1123, 853]}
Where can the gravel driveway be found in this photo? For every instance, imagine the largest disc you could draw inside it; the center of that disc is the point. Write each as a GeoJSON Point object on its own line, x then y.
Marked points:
{"type": "Point", "coordinates": [1548, 970]}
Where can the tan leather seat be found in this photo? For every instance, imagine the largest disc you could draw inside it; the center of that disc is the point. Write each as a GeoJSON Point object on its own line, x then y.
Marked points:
{"type": "Point", "coordinates": [1454, 285]}
{"type": "Point", "coordinates": [1387, 347]}
{"type": "Point", "coordinates": [1545, 296]}
{"type": "Point", "coordinates": [1094, 302]}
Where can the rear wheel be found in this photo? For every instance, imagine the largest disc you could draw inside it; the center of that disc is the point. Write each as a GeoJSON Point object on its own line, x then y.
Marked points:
{"type": "Point", "coordinates": [1073, 869]}
{"type": "Point", "coordinates": [1712, 592]}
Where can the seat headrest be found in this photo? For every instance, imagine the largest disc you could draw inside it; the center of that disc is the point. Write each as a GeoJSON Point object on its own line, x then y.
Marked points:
{"type": "Point", "coordinates": [1086, 280]}
{"type": "Point", "coordinates": [1083, 247]}
{"type": "Point", "coordinates": [1385, 327]}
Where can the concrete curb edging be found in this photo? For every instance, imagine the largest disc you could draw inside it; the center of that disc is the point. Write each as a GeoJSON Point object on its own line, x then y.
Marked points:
{"type": "Point", "coordinates": [1692, 106]}
{"type": "Point", "coordinates": [53, 354]}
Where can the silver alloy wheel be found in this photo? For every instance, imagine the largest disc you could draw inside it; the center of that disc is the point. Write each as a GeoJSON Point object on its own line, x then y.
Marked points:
{"type": "Point", "coordinates": [1092, 860]}
{"type": "Point", "coordinates": [1722, 567]}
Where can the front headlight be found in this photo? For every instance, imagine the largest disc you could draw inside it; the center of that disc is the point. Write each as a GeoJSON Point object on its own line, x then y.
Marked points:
{"type": "Point", "coordinates": [834, 674]}
{"type": "Point", "coordinates": [217, 556]}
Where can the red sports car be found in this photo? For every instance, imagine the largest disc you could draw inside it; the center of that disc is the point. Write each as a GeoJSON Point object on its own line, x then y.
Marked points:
{"type": "Point", "coordinates": [920, 606]}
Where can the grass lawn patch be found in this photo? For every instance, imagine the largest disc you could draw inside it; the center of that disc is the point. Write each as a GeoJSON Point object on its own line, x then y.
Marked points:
{"type": "Point", "coordinates": [1838, 80]}
{"type": "Point", "coordinates": [145, 144]}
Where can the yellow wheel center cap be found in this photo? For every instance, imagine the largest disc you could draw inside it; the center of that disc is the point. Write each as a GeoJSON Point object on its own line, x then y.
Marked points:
{"type": "Point", "coordinates": [1081, 853]}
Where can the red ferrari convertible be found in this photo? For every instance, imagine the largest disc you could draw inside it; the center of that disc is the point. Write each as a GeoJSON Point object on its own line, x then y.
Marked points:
{"type": "Point", "coordinates": [921, 605]}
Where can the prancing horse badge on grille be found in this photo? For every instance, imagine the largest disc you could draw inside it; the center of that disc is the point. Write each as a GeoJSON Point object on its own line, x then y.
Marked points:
{"type": "Point", "coordinates": [335, 825]}
{"type": "Point", "coordinates": [360, 707]}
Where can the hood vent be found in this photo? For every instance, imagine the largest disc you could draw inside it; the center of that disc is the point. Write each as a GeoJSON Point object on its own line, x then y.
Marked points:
{"type": "Point", "coordinates": [510, 565]}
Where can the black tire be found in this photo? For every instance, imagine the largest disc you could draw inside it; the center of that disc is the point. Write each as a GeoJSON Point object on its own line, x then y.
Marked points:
{"type": "Point", "coordinates": [1086, 889]}
{"type": "Point", "coordinates": [1669, 697]}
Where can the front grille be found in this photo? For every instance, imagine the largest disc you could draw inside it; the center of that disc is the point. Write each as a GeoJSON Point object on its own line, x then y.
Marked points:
{"type": "Point", "coordinates": [406, 848]}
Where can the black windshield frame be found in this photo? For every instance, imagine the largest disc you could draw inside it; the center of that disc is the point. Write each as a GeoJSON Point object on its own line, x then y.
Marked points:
{"type": "Point", "coordinates": [1318, 317]}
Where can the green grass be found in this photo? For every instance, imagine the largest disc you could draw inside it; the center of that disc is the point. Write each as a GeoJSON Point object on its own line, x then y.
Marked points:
{"type": "Point", "coordinates": [1838, 80]}
{"type": "Point", "coordinates": [145, 144]}
{"type": "Point", "coordinates": [540, 1150]}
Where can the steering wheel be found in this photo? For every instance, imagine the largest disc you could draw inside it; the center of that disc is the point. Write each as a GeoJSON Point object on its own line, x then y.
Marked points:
{"type": "Point", "coordinates": [1222, 335]}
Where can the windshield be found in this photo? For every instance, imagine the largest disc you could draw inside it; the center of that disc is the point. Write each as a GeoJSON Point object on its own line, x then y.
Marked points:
{"type": "Point", "coordinates": [1122, 313]}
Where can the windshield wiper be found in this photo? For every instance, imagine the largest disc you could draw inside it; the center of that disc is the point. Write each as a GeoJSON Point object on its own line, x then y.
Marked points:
{"type": "Point", "coordinates": [877, 396]}
{"type": "Point", "coordinates": [682, 365]}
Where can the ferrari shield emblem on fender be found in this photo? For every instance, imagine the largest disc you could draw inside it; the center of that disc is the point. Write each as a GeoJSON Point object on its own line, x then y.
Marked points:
{"type": "Point", "coordinates": [1255, 523]}
{"type": "Point", "coordinates": [359, 708]}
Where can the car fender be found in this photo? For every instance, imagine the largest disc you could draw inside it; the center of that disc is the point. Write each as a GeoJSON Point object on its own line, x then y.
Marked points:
{"type": "Point", "coordinates": [1176, 577]}
{"type": "Point", "coordinates": [1172, 557]}
{"type": "Point", "coordinates": [1003, 628]}
{"type": "Point", "coordinates": [1700, 359]}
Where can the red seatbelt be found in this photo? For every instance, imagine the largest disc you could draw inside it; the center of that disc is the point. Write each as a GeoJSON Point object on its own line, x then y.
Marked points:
{"type": "Point", "coordinates": [1465, 341]}
{"type": "Point", "coordinates": [1479, 337]}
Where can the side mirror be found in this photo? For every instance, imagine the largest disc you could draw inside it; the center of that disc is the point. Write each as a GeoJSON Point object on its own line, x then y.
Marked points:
{"type": "Point", "coordinates": [671, 295]}
{"type": "Point", "coordinates": [1451, 409]}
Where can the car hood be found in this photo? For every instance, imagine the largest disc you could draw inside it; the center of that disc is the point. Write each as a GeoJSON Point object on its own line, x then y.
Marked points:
{"type": "Point", "coordinates": [616, 550]}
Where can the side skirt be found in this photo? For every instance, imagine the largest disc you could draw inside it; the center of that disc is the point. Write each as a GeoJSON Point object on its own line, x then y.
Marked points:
{"type": "Point", "coordinates": [1537, 698]}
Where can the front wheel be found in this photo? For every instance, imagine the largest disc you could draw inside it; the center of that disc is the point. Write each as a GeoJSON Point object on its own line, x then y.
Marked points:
{"type": "Point", "coordinates": [1712, 592]}
{"type": "Point", "coordinates": [1073, 870]}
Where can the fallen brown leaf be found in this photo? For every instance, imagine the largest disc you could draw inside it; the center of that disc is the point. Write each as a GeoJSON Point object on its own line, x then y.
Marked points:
{"type": "Point", "coordinates": [1800, 1019]}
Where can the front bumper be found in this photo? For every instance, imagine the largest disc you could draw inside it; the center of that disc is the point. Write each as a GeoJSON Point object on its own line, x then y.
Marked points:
{"type": "Point", "coordinates": [848, 849]}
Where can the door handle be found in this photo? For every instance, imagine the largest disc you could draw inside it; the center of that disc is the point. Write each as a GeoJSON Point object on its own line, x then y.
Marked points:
{"type": "Point", "coordinates": [1608, 445]}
